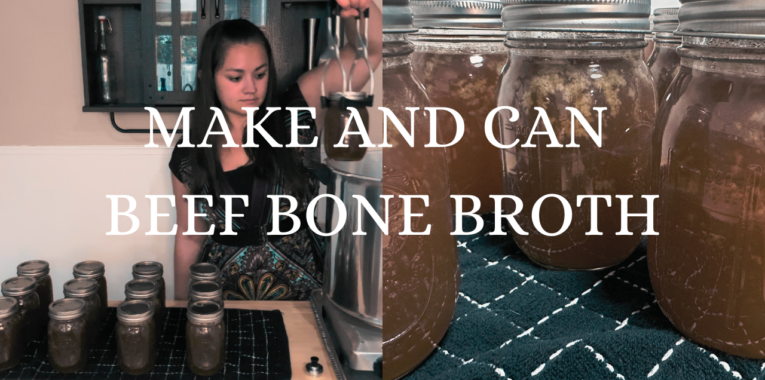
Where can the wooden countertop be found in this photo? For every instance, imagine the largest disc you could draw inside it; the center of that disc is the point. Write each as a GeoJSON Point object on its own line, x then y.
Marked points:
{"type": "Point", "coordinates": [301, 328]}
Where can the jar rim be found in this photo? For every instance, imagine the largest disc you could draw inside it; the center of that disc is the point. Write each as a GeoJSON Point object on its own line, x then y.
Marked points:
{"type": "Point", "coordinates": [204, 270]}
{"type": "Point", "coordinates": [141, 289]}
{"type": "Point", "coordinates": [148, 268]}
{"type": "Point", "coordinates": [67, 309]}
{"type": "Point", "coordinates": [88, 269]}
{"type": "Point", "coordinates": [722, 19]}
{"type": "Point", "coordinates": [624, 16]}
{"type": "Point", "coordinates": [9, 306]}
{"type": "Point", "coordinates": [205, 290]}
{"type": "Point", "coordinates": [80, 287]}
{"type": "Point", "coordinates": [457, 14]}
{"type": "Point", "coordinates": [398, 18]}
{"type": "Point", "coordinates": [33, 268]}
{"type": "Point", "coordinates": [205, 311]}
{"type": "Point", "coordinates": [135, 311]}
{"type": "Point", "coordinates": [19, 286]}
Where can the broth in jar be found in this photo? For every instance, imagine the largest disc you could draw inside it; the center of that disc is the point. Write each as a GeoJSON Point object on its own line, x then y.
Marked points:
{"type": "Point", "coordinates": [68, 347]}
{"type": "Point", "coordinates": [459, 57]}
{"type": "Point", "coordinates": [421, 272]}
{"type": "Point", "coordinates": [706, 264]}
{"type": "Point", "coordinates": [549, 72]}
{"type": "Point", "coordinates": [11, 327]}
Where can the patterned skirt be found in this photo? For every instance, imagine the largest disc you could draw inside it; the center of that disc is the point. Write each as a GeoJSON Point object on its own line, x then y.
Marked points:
{"type": "Point", "coordinates": [264, 272]}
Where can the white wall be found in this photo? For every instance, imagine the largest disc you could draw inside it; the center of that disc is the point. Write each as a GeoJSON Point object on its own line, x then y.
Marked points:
{"type": "Point", "coordinates": [57, 164]}
{"type": "Point", "coordinates": [54, 207]}
{"type": "Point", "coordinates": [42, 94]}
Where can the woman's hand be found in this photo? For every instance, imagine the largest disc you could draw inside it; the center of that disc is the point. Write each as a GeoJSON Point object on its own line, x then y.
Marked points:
{"type": "Point", "coordinates": [310, 82]}
{"type": "Point", "coordinates": [351, 8]}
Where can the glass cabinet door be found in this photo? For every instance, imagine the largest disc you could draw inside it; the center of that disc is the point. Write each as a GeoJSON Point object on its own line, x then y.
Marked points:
{"type": "Point", "coordinates": [177, 28]}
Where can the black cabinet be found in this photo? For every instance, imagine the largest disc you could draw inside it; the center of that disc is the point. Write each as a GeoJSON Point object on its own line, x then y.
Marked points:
{"type": "Point", "coordinates": [153, 45]}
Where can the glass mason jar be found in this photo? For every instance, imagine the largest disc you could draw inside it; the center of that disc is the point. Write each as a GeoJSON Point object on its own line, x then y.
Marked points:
{"type": "Point", "coordinates": [421, 275]}
{"type": "Point", "coordinates": [459, 57]}
{"type": "Point", "coordinates": [86, 289]}
{"type": "Point", "coordinates": [95, 270]}
{"type": "Point", "coordinates": [11, 333]}
{"type": "Point", "coordinates": [335, 121]}
{"type": "Point", "coordinates": [706, 266]}
{"type": "Point", "coordinates": [148, 290]}
{"type": "Point", "coordinates": [68, 347]}
{"type": "Point", "coordinates": [136, 336]}
{"type": "Point", "coordinates": [651, 45]}
{"type": "Point", "coordinates": [205, 337]}
{"type": "Point", "coordinates": [204, 272]}
{"type": "Point", "coordinates": [206, 290]}
{"type": "Point", "coordinates": [551, 70]}
{"type": "Point", "coordinates": [40, 271]}
{"type": "Point", "coordinates": [664, 62]}
{"type": "Point", "coordinates": [24, 290]}
{"type": "Point", "coordinates": [151, 270]}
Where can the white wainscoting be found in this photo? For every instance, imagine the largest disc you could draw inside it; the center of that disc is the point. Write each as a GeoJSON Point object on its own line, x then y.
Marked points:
{"type": "Point", "coordinates": [54, 207]}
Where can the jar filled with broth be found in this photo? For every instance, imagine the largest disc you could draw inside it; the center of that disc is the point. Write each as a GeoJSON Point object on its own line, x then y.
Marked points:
{"type": "Point", "coordinates": [664, 62]}
{"type": "Point", "coordinates": [148, 290]}
{"type": "Point", "coordinates": [204, 272]}
{"type": "Point", "coordinates": [68, 346]}
{"type": "Point", "coordinates": [459, 55]}
{"type": "Point", "coordinates": [86, 289]}
{"type": "Point", "coordinates": [136, 336]}
{"type": "Point", "coordinates": [40, 271]}
{"type": "Point", "coordinates": [154, 271]}
{"type": "Point", "coordinates": [421, 272]}
{"type": "Point", "coordinates": [564, 56]}
{"type": "Point", "coordinates": [706, 264]}
{"type": "Point", "coordinates": [95, 270]}
{"type": "Point", "coordinates": [24, 290]}
{"type": "Point", "coordinates": [206, 290]}
{"type": "Point", "coordinates": [335, 121]}
{"type": "Point", "coordinates": [205, 337]}
{"type": "Point", "coordinates": [11, 332]}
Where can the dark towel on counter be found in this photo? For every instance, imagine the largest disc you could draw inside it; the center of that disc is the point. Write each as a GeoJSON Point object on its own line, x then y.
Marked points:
{"type": "Point", "coordinates": [256, 348]}
{"type": "Point", "coordinates": [517, 320]}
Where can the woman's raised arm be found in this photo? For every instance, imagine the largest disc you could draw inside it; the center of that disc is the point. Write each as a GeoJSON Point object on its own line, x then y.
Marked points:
{"type": "Point", "coordinates": [310, 82]}
{"type": "Point", "coordinates": [187, 247]}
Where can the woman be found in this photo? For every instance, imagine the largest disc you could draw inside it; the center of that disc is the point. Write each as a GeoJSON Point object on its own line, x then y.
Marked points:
{"type": "Point", "coordinates": [236, 70]}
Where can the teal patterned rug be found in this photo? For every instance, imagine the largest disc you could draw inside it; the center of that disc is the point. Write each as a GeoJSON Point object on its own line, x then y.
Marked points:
{"type": "Point", "coordinates": [516, 320]}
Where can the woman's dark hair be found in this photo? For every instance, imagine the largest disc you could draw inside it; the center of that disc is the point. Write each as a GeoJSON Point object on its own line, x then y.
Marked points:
{"type": "Point", "coordinates": [205, 162]}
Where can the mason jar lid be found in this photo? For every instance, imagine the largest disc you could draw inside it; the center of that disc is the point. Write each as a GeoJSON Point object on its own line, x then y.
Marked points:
{"type": "Point", "coordinates": [620, 16]}
{"type": "Point", "coordinates": [467, 14]}
{"type": "Point", "coordinates": [204, 312]}
{"type": "Point", "coordinates": [89, 269]}
{"type": "Point", "coordinates": [148, 270]}
{"type": "Point", "coordinates": [355, 95]}
{"type": "Point", "coordinates": [135, 311]}
{"type": "Point", "coordinates": [80, 287]}
{"type": "Point", "coordinates": [335, 96]}
{"type": "Point", "coordinates": [66, 309]}
{"type": "Point", "coordinates": [205, 290]}
{"type": "Point", "coordinates": [397, 17]}
{"type": "Point", "coordinates": [665, 19]}
{"type": "Point", "coordinates": [19, 286]}
{"type": "Point", "coordinates": [33, 268]}
{"type": "Point", "coordinates": [204, 271]}
{"type": "Point", "coordinates": [8, 307]}
{"type": "Point", "coordinates": [722, 18]}
{"type": "Point", "coordinates": [141, 289]}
